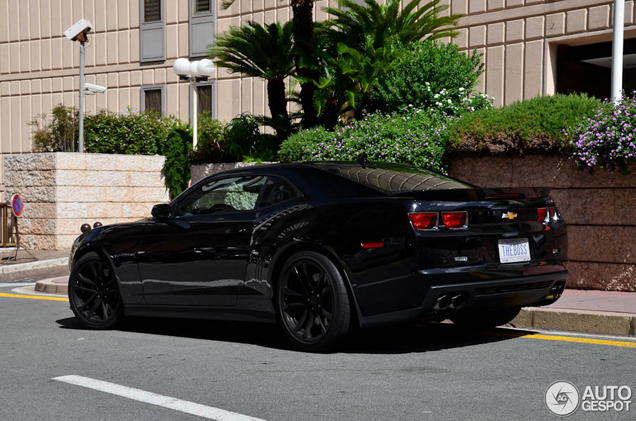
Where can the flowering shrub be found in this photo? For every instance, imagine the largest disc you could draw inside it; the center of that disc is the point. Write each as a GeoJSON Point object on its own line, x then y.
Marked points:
{"type": "Point", "coordinates": [427, 74]}
{"type": "Point", "coordinates": [457, 102]}
{"type": "Point", "coordinates": [410, 136]}
{"type": "Point", "coordinates": [607, 140]}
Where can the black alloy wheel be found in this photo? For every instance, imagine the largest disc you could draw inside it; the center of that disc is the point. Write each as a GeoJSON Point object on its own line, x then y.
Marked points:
{"type": "Point", "coordinates": [94, 294]}
{"type": "Point", "coordinates": [312, 302]}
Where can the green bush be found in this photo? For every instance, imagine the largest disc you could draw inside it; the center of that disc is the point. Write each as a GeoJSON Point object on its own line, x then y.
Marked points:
{"type": "Point", "coordinates": [176, 169]}
{"type": "Point", "coordinates": [607, 140]}
{"type": "Point", "coordinates": [209, 139]}
{"type": "Point", "coordinates": [410, 136]}
{"type": "Point", "coordinates": [60, 134]}
{"type": "Point", "coordinates": [535, 125]}
{"type": "Point", "coordinates": [241, 139]}
{"type": "Point", "coordinates": [133, 133]}
{"type": "Point", "coordinates": [425, 71]}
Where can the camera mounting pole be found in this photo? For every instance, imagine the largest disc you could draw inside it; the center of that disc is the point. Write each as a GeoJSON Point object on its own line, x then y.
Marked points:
{"type": "Point", "coordinates": [80, 148]}
{"type": "Point", "coordinates": [79, 32]}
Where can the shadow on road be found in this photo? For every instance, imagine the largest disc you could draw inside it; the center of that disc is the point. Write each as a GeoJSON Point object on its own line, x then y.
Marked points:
{"type": "Point", "coordinates": [390, 340]}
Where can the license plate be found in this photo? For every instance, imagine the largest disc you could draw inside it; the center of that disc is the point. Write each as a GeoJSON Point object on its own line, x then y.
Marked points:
{"type": "Point", "coordinates": [517, 250]}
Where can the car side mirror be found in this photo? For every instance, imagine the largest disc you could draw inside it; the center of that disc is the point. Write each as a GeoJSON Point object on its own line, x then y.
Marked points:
{"type": "Point", "coordinates": [161, 211]}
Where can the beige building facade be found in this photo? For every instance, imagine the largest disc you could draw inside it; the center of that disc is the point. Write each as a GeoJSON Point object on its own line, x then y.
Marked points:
{"type": "Point", "coordinates": [529, 47]}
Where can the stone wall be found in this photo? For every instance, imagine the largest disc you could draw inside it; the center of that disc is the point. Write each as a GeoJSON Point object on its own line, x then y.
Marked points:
{"type": "Point", "coordinates": [62, 191]}
{"type": "Point", "coordinates": [600, 211]}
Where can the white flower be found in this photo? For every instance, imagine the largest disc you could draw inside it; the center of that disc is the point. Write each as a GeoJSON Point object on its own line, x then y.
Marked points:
{"type": "Point", "coordinates": [436, 96]}
{"type": "Point", "coordinates": [461, 89]}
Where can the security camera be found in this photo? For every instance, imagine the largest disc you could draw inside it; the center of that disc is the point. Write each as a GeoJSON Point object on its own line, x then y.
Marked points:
{"type": "Point", "coordinates": [79, 30]}
{"type": "Point", "coordinates": [95, 88]}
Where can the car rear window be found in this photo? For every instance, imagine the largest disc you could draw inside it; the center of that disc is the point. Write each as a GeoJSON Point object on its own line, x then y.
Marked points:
{"type": "Point", "coordinates": [393, 179]}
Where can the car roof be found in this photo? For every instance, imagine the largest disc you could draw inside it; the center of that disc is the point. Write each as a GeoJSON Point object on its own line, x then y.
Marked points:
{"type": "Point", "coordinates": [334, 179]}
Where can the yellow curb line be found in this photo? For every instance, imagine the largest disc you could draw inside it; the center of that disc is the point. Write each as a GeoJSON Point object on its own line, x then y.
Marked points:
{"type": "Point", "coordinates": [569, 339]}
{"type": "Point", "coordinates": [33, 297]}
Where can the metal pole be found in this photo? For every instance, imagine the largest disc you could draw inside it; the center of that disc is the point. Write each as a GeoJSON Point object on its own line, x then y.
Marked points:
{"type": "Point", "coordinates": [81, 100]}
{"type": "Point", "coordinates": [195, 112]}
{"type": "Point", "coordinates": [617, 49]}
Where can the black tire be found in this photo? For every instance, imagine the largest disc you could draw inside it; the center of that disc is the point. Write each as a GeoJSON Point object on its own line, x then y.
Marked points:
{"type": "Point", "coordinates": [487, 319]}
{"type": "Point", "coordinates": [312, 302]}
{"type": "Point", "coordinates": [93, 293]}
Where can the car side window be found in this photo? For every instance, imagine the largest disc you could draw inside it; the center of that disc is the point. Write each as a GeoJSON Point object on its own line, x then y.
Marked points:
{"type": "Point", "coordinates": [233, 194]}
{"type": "Point", "coordinates": [276, 191]}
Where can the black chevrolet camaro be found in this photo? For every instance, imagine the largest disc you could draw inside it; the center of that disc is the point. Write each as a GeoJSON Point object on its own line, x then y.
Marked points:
{"type": "Point", "coordinates": [323, 247]}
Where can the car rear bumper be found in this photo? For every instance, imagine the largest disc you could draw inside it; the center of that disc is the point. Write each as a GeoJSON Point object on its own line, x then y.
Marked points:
{"type": "Point", "coordinates": [450, 299]}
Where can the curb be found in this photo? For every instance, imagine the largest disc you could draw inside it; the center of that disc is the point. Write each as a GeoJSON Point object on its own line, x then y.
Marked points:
{"type": "Point", "coordinates": [58, 286]}
{"type": "Point", "coordinates": [577, 321]}
{"type": "Point", "coordinates": [42, 264]}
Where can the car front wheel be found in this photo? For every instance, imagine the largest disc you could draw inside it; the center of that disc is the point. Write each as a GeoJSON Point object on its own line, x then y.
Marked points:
{"type": "Point", "coordinates": [312, 302]}
{"type": "Point", "coordinates": [94, 294]}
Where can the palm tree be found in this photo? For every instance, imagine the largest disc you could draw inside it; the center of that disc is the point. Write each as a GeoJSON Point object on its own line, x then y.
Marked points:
{"type": "Point", "coordinates": [354, 24]}
{"type": "Point", "coordinates": [362, 43]}
{"type": "Point", "coordinates": [260, 51]}
{"type": "Point", "coordinates": [304, 59]}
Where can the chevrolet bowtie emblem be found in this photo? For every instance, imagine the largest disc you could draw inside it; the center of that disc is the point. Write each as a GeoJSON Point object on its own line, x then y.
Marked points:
{"type": "Point", "coordinates": [509, 215]}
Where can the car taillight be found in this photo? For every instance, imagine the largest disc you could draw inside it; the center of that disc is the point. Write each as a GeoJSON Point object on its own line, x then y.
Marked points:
{"type": "Point", "coordinates": [424, 220]}
{"type": "Point", "coordinates": [455, 220]}
{"type": "Point", "coordinates": [553, 214]}
{"type": "Point", "coordinates": [542, 215]}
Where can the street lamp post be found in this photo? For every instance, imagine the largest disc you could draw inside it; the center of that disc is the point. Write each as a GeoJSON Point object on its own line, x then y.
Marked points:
{"type": "Point", "coordinates": [193, 72]}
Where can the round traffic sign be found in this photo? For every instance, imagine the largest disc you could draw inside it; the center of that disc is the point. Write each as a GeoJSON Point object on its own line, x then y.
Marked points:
{"type": "Point", "coordinates": [16, 204]}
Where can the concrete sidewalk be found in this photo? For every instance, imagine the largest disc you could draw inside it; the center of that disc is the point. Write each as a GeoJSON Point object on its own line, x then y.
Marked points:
{"type": "Point", "coordinates": [584, 311]}
{"type": "Point", "coordinates": [578, 311]}
{"type": "Point", "coordinates": [24, 261]}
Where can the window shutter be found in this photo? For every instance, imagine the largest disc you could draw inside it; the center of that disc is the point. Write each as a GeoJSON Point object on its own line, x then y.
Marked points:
{"type": "Point", "coordinates": [152, 33]}
{"type": "Point", "coordinates": [152, 11]}
{"type": "Point", "coordinates": [202, 19]}
{"type": "Point", "coordinates": [203, 6]}
{"type": "Point", "coordinates": [206, 98]}
{"type": "Point", "coordinates": [204, 95]}
{"type": "Point", "coordinates": [153, 100]}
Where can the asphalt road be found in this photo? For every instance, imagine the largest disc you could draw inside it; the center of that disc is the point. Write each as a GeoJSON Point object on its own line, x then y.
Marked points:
{"type": "Point", "coordinates": [432, 372]}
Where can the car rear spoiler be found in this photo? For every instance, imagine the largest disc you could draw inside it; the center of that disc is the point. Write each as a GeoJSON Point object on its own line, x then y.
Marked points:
{"type": "Point", "coordinates": [479, 194]}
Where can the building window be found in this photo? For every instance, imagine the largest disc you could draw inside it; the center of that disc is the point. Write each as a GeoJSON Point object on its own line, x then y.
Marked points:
{"type": "Point", "coordinates": [202, 24]}
{"type": "Point", "coordinates": [152, 30]}
{"type": "Point", "coordinates": [202, 7]}
{"type": "Point", "coordinates": [152, 11]}
{"type": "Point", "coordinates": [153, 98]}
{"type": "Point", "coordinates": [206, 98]}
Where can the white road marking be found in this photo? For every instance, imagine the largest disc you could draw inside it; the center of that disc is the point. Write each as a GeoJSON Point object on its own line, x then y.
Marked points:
{"type": "Point", "coordinates": [155, 399]}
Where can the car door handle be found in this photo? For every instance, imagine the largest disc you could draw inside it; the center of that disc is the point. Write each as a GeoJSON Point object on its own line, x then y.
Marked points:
{"type": "Point", "coordinates": [235, 230]}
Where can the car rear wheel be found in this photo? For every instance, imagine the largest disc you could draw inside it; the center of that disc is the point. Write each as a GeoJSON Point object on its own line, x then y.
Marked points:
{"type": "Point", "coordinates": [487, 319]}
{"type": "Point", "coordinates": [94, 294]}
{"type": "Point", "coordinates": [312, 302]}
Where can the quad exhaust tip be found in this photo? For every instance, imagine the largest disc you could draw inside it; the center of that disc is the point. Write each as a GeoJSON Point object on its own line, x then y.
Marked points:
{"type": "Point", "coordinates": [450, 302]}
